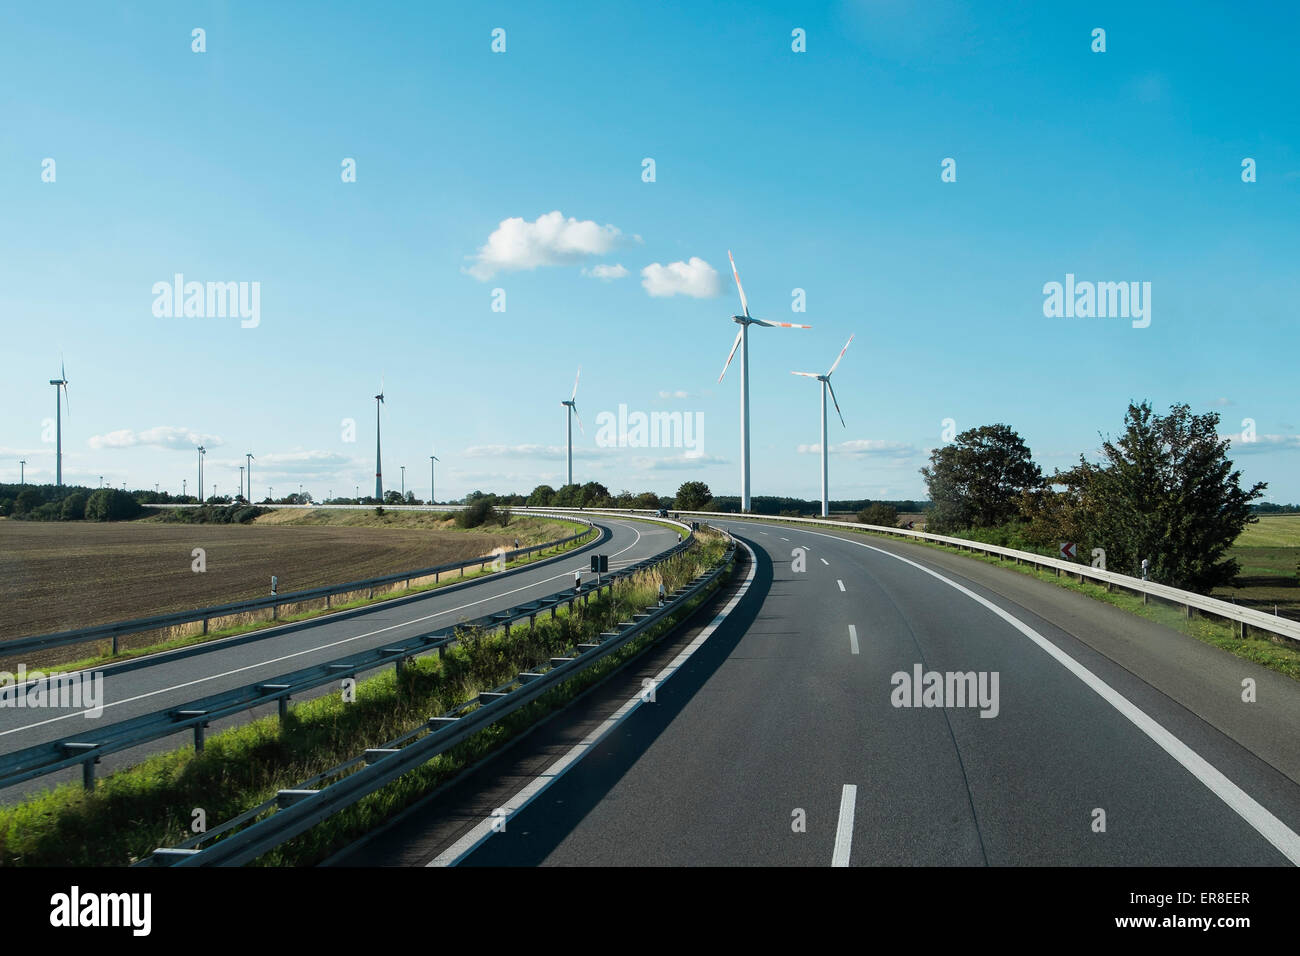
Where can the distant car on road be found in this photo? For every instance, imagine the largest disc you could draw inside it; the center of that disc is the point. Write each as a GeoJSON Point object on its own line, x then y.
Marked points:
{"type": "Point", "coordinates": [663, 512]}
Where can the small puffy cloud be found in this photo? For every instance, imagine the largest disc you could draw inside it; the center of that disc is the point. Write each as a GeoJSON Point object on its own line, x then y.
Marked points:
{"type": "Point", "coordinates": [524, 451]}
{"type": "Point", "coordinates": [1262, 443]}
{"type": "Point", "coordinates": [163, 436]}
{"type": "Point", "coordinates": [679, 393]}
{"type": "Point", "coordinates": [1222, 403]}
{"type": "Point", "coordinates": [683, 462]}
{"type": "Point", "coordinates": [695, 278]}
{"type": "Point", "coordinates": [551, 240]}
{"type": "Point", "coordinates": [605, 272]}
{"type": "Point", "coordinates": [863, 447]}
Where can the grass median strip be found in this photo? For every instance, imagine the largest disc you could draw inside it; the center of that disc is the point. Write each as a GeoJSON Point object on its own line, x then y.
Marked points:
{"type": "Point", "coordinates": [155, 803]}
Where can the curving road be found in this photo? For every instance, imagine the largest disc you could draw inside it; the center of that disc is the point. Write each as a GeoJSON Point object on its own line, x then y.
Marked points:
{"type": "Point", "coordinates": [167, 680]}
{"type": "Point", "coordinates": [1111, 740]}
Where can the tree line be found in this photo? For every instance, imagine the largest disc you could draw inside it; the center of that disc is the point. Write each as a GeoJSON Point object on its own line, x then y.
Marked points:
{"type": "Point", "coordinates": [1164, 490]}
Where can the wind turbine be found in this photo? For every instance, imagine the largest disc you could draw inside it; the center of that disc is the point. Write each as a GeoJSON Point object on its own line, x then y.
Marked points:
{"type": "Point", "coordinates": [379, 479]}
{"type": "Point", "coordinates": [826, 385]}
{"type": "Point", "coordinates": [433, 499]}
{"type": "Point", "coordinates": [60, 382]}
{"type": "Point", "coordinates": [249, 456]}
{"type": "Point", "coordinates": [202, 451]}
{"type": "Point", "coordinates": [742, 342]}
{"type": "Point", "coordinates": [571, 415]}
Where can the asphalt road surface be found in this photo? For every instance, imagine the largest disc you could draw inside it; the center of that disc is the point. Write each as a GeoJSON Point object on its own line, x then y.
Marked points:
{"type": "Point", "coordinates": [171, 679]}
{"type": "Point", "coordinates": [788, 737]}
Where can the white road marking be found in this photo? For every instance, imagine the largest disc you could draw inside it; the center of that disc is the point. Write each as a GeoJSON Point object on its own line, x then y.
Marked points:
{"type": "Point", "coordinates": [853, 638]}
{"type": "Point", "coordinates": [309, 650]}
{"type": "Point", "coordinates": [1268, 826]}
{"type": "Point", "coordinates": [785, 539]}
{"type": "Point", "coordinates": [840, 583]}
{"type": "Point", "coordinates": [844, 832]}
{"type": "Point", "coordinates": [487, 826]}
{"type": "Point", "coordinates": [825, 562]}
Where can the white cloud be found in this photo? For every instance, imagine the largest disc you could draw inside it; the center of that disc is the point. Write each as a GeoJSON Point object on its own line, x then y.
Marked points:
{"type": "Point", "coordinates": [525, 451]}
{"type": "Point", "coordinates": [1262, 443]}
{"type": "Point", "coordinates": [163, 436]}
{"type": "Point", "coordinates": [679, 393]}
{"type": "Point", "coordinates": [695, 278]}
{"type": "Point", "coordinates": [865, 446]}
{"type": "Point", "coordinates": [551, 240]}
{"type": "Point", "coordinates": [605, 272]}
{"type": "Point", "coordinates": [683, 462]}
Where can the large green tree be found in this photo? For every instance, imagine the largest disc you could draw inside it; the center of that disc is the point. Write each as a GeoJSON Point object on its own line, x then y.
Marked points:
{"type": "Point", "coordinates": [1166, 491]}
{"type": "Point", "coordinates": [692, 496]}
{"type": "Point", "coordinates": [976, 480]}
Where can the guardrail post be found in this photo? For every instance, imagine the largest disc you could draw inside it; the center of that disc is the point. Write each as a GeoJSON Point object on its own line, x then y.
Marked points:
{"type": "Point", "coordinates": [282, 706]}
{"type": "Point", "coordinates": [275, 612]}
{"type": "Point", "coordinates": [1187, 611]}
{"type": "Point", "coordinates": [205, 624]}
{"type": "Point", "coordinates": [114, 645]}
{"type": "Point", "coordinates": [198, 737]}
{"type": "Point", "coordinates": [88, 773]}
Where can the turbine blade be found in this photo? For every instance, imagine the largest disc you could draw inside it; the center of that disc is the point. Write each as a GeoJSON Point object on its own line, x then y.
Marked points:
{"type": "Point", "coordinates": [837, 404]}
{"type": "Point", "coordinates": [575, 384]}
{"type": "Point", "coordinates": [743, 304]}
{"type": "Point", "coordinates": [805, 374]}
{"type": "Point", "coordinates": [734, 345]}
{"type": "Point", "coordinates": [66, 401]}
{"type": "Point", "coordinates": [579, 418]}
{"type": "Point", "coordinates": [779, 325]}
{"type": "Point", "coordinates": [841, 355]}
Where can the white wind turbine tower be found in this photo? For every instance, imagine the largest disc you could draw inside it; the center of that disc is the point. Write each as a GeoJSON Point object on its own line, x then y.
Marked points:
{"type": "Point", "coordinates": [742, 342]}
{"type": "Point", "coordinates": [59, 383]}
{"type": "Point", "coordinates": [571, 415]}
{"type": "Point", "coordinates": [826, 385]}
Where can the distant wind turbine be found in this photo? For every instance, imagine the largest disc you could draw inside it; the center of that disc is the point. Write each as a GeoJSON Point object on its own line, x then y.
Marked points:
{"type": "Point", "coordinates": [379, 471]}
{"type": "Point", "coordinates": [826, 386]}
{"type": "Point", "coordinates": [59, 383]}
{"type": "Point", "coordinates": [571, 415]}
{"type": "Point", "coordinates": [742, 342]}
{"type": "Point", "coordinates": [433, 499]}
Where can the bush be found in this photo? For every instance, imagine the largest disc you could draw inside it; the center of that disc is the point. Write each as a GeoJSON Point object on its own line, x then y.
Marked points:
{"type": "Point", "coordinates": [28, 499]}
{"type": "Point", "coordinates": [74, 507]}
{"type": "Point", "coordinates": [503, 517]}
{"type": "Point", "coordinates": [6, 507]}
{"type": "Point", "coordinates": [879, 514]}
{"type": "Point", "coordinates": [475, 513]}
{"type": "Point", "coordinates": [110, 504]}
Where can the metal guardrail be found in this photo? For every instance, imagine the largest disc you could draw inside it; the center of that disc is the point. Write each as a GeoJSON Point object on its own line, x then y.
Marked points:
{"type": "Point", "coordinates": [119, 629]}
{"type": "Point", "coordinates": [1244, 618]}
{"type": "Point", "coordinates": [294, 811]}
{"type": "Point", "coordinates": [88, 747]}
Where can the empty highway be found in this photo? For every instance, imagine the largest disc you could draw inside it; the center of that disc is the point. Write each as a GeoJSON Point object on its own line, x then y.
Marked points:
{"type": "Point", "coordinates": [791, 734]}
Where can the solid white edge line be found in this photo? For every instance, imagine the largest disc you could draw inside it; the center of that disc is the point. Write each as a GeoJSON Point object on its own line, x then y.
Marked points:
{"type": "Point", "coordinates": [485, 827]}
{"type": "Point", "coordinates": [1243, 804]}
{"type": "Point", "coordinates": [853, 638]}
{"type": "Point", "coordinates": [844, 830]}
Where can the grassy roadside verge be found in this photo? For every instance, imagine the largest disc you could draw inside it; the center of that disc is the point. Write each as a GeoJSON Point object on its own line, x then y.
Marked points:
{"type": "Point", "coordinates": [107, 657]}
{"type": "Point", "coordinates": [152, 804]}
{"type": "Point", "coordinates": [1278, 655]}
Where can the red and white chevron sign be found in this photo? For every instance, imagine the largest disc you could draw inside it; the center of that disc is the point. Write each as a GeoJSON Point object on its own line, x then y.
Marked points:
{"type": "Point", "coordinates": [1067, 551]}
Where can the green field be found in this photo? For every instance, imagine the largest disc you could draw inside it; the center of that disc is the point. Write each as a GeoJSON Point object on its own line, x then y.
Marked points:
{"type": "Point", "coordinates": [1268, 552]}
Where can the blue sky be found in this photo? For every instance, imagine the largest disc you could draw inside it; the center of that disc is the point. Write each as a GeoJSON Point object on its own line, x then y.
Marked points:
{"type": "Point", "coordinates": [820, 170]}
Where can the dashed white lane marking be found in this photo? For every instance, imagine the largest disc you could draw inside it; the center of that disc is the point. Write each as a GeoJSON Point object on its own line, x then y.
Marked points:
{"type": "Point", "coordinates": [853, 638]}
{"type": "Point", "coordinates": [488, 825]}
{"type": "Point", "coordinates": [844, 831]}
{"type": "Point", "coordinates": [1268, 826]}
{"type": "Point", "coordinates": [840, 583]}
{"type": "Point", "coordinates": [825, 562]}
